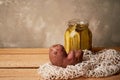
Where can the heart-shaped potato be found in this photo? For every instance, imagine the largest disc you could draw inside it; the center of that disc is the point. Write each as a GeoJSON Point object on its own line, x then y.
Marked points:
{"type": "Point", "coordinates": [59, 57]}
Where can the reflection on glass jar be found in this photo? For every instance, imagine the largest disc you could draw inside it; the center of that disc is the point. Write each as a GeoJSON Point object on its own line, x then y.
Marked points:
{"type": "Point", "coordinates": [78, 35]}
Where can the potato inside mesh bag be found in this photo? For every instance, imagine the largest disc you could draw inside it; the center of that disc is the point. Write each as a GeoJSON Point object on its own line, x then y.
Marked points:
{"type": "Point", "coordinates": [103, 63]}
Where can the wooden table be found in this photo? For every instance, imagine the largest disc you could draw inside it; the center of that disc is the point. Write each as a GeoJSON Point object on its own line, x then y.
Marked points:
{"type": "Point", "coordinates": [23, 64]}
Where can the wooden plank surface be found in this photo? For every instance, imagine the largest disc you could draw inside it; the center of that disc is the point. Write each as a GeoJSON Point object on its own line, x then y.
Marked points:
{"type": "Point", "coordinates": [32, 51]}
{"type": "Point", "coordinates": [18, 73]}
{"type": "Point", "coordinates": [26, 57]}
{"type": "Point", "coordinates": [22, 64]}
{"type": "Point", "coordinates": [23, 60]}
{"type": "Point", "coordinates": [23, 57]}
{"type": "Point", "coordinates": [32, 74]}
{"type": "Point", "coordinates": [19, 51]}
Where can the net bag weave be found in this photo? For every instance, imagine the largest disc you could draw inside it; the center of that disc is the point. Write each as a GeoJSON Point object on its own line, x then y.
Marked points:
{"type": "Point", "coordinates": [100, 64]}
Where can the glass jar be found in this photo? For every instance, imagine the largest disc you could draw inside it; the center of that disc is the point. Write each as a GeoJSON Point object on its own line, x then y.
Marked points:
{"type": "Point", "coordinates": [78, 35]}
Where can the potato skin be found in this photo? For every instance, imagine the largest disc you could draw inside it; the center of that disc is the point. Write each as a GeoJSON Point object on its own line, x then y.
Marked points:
{"type": "Point", "coordinates": [59, 57]}
{"type": "Point", "coordinates": [57, 54]}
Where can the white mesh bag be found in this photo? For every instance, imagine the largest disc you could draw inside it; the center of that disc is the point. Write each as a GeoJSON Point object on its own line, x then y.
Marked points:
{"type": "Point", "coordinates": [101, 64]}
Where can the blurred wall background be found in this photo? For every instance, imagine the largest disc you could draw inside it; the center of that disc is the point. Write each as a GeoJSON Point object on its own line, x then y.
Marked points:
{"type": "Point", "coordinates": [42, 23]}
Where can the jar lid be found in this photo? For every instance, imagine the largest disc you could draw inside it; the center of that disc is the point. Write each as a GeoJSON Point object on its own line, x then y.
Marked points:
{"type": "Point", "coordinates": [78, 21]}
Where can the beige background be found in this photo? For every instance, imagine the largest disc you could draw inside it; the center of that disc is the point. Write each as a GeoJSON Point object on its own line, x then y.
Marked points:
{"type": "Point", "coordinates": [42, 23]}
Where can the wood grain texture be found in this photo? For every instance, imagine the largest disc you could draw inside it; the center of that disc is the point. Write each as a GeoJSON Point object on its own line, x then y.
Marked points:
{"type": "Point", "coordinates": [26, 57]}
{"type": "Point", "coordinates": [23, 60]}
{"type": "Point", "coordinates": [22, 64]}
{"type": "Point", "coordinates": [18, 72]}
{"type": "Point", "coordinates": [32, 74]}
{"type": "Point", "coordinates": [18, 51]}
{"type": "Point", "coordinates": [32, 51]}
